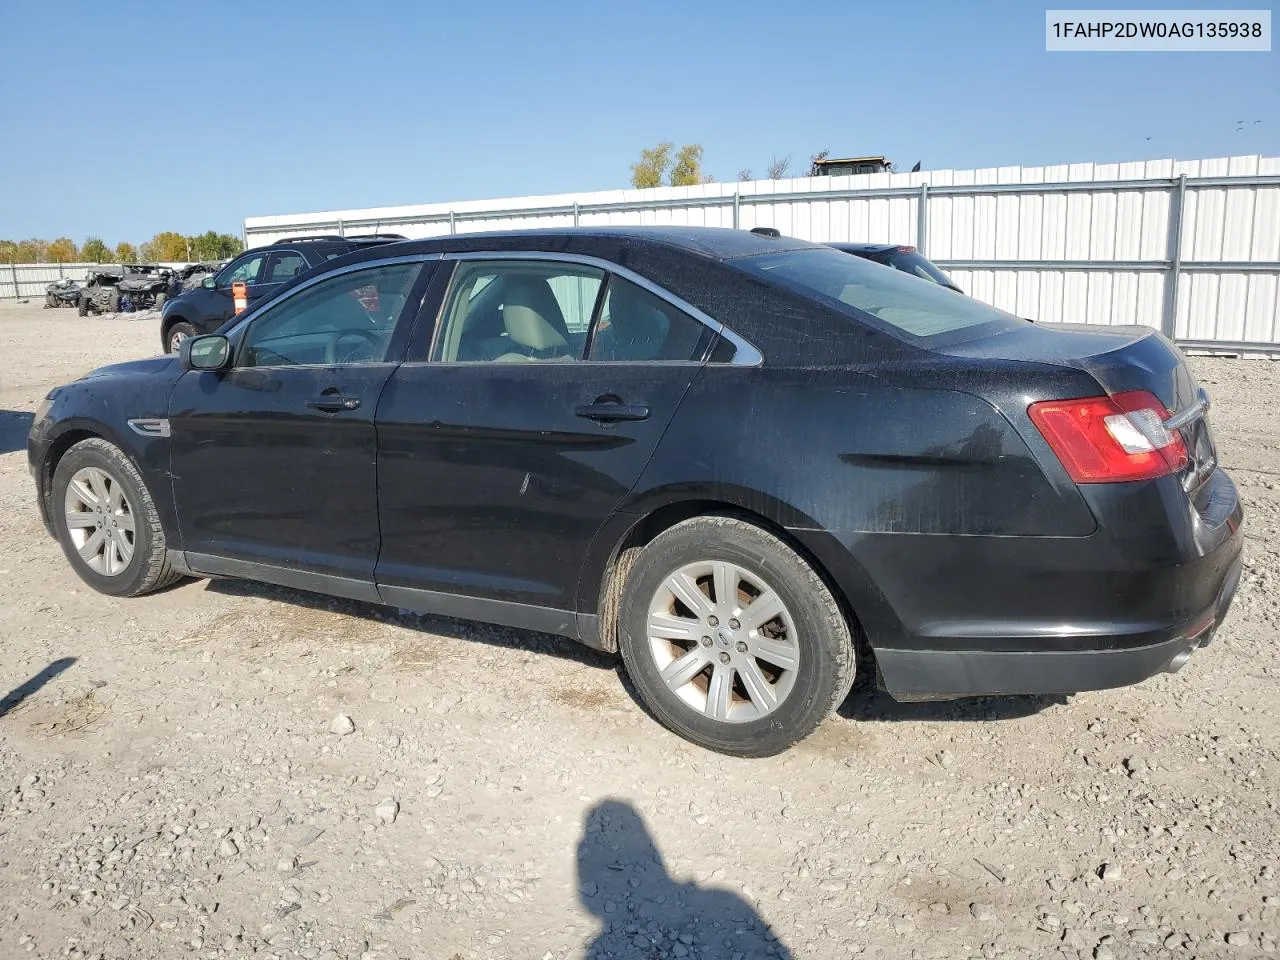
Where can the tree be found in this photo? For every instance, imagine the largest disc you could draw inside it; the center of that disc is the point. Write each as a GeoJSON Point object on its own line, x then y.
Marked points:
{"type": "Point", "coordinates": [62, 250]}
{"type": "Point", "coordinates": [744, 173]}
{"type": "Point", "coordinates": [94, 250]}
{"type": "Point", "coordinates": [687, 169]}
{"type": "Point", "coordinates": [816, 159]}
{"type": "Point", "coordinates": [777, 170]}
{"type": "Point", "coordinates": [165, 246]}
{"type": "Point", "coordinates": [215, 246]}
{"type": "Point", "coordinates": [126, 252]}
{"type": "Point", "coordinates": [8, 251]}
{"type": "Point", "coordinates": [31, 251]}
{"type": "Point", "coordinates": [652, 166]}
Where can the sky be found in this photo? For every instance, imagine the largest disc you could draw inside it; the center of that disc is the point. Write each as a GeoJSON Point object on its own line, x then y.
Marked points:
{"type": "Point", "coordinates": [123, 122]}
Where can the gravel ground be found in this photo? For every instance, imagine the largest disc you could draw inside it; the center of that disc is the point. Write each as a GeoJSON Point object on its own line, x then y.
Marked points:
{"type": "Point", "coordinates": [232, 770]}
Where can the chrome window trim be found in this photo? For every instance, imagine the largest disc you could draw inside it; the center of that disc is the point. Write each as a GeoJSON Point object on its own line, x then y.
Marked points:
{"type": "Point", "coordinates": [254, 312]}
{"type": "Point", "coordinates": [746, 354]}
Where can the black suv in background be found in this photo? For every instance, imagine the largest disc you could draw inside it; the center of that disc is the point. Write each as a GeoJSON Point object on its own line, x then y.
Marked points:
{"type": "Point", "coordinates": [264, 270]}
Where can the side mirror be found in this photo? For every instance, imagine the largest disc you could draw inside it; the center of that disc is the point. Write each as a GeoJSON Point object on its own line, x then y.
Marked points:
{"type": "Point", "coordinates": [211, 352]}
{"type": "Point", "coordinates": [209, 283]}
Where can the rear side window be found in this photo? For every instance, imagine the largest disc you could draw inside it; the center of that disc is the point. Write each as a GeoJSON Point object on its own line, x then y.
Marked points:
{"type": "Point", "coordinates": [901, 302]}
{"type": "Point", "coordinates": [284, 266]}
{"type": "Point", "coordinates": [635, 326]}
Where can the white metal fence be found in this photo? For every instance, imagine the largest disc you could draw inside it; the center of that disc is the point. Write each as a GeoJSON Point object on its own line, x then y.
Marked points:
{"type": "Point", "coordinates": [1189, 247]}
{"type": "Point", "coordinates": [26, 281]}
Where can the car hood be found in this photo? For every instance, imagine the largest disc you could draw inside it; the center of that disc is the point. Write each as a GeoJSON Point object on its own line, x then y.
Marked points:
{"type": "Point", "coordinates": [154, 365]}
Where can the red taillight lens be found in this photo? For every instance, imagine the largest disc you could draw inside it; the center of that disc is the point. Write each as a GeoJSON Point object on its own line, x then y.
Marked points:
{"type": "Point", "coordinates": [1111, 439]}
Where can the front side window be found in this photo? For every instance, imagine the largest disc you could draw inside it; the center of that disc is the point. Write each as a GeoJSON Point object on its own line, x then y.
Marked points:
{"type": "Point", "coordinates": [348, 318]}
{"type": "Point", "coordinates": [902, 303]}
{"type": "Point", "coordinates": [636, 326]}
{"type": "Point", "coordinates": [510, 311]}
{"type": "Point", "coordinates": [245, 270]}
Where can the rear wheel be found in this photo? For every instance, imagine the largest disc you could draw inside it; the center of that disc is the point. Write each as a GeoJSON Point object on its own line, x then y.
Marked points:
{"type": "Point", "coordinates": [161, 297]}
{"type": "Point", "coordinates": [50, 301]}
{"type": "Point", "coordinates": [732, 639]}
{"type": "Point", "coordinates": [106, 521]}
{"type": "Point", "coordinates": [177, 333]}
{"type": "Point", "coordinates": [82, 306]}
{"type": "Point", "coordinates": [113, 301]}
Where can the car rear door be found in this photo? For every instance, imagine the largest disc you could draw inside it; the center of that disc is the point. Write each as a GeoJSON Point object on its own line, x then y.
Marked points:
{"type": "Point", "coordinates": [504, 449]}
{"type": "Point", "coordinates": [274, 459]}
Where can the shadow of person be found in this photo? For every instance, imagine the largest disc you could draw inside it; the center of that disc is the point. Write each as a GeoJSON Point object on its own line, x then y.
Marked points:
{"type": "Point", "coordinates": [644, 913]}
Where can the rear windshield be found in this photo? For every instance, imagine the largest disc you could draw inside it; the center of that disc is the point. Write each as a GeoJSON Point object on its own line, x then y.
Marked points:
{"type": "Point", "coordinates": [882, 294]}
{"type": "Point", "coordinates": [918, 266]}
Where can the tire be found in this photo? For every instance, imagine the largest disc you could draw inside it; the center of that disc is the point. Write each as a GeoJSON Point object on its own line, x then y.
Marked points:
{"type": "Point", "coordinates": [177, 333]}
{"type": "Point", "coordinates": [113, 301]}
{"type": "Point", "coordinates": [50, 301]}
{"type": "Point", "coordinates": [82, 306]}
{"type": "Point", "coordinates": [810, 629]}
{"type": "Point", "coordinates": [147, 567]}
{"type": "Point", "coordinates": [161, 297]}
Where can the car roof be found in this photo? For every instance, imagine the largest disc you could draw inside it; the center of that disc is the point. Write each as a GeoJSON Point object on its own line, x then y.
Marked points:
{"type": "Point", "coordinates": [608, 242]}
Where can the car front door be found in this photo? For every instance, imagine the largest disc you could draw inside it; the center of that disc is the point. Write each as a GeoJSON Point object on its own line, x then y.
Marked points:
{"type": "Point", "coordinates": [503, 453]}
{"type": "Point", "coordinates": [273, 459]}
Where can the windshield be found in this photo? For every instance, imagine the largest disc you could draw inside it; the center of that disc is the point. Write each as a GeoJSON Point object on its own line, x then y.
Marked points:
{"type": "Point", "coordinates": [874, 292]}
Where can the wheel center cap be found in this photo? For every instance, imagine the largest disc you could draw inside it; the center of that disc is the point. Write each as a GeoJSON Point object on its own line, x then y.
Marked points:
{"type": "Point", "coordinates": [725, 636]}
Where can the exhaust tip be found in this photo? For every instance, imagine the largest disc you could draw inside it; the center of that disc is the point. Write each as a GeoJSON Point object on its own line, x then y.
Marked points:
{"type": "Point", "coordinates": [1178, 662]}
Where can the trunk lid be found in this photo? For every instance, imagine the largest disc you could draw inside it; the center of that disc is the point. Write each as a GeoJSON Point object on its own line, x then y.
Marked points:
{"type": "Point", "coordinates": [1119, 359]}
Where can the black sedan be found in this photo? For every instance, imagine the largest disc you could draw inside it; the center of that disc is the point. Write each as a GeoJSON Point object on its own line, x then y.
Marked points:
{"type": "Point", "coordinates": [734, 460]}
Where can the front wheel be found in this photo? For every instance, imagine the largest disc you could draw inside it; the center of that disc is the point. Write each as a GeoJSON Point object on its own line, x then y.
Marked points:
{"type": "Point", "coordinates": [161, 297]}
{"type": "Point", "coordinates": [107, 523]}
{"type": "Point", "coordinates": [177, 333]}
{"type": "Point", "coordinates": [731, 637]}
{"type": "Point", "coordinates": [82, 306]}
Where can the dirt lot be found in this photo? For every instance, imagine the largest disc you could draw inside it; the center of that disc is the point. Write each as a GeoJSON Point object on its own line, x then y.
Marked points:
{"type": "Point", "coordinates": [174, 780]}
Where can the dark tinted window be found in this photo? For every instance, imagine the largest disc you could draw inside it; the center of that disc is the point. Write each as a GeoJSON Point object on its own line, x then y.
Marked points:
{"type": "Point", "coordinates": [889, 296]}
{"type": "Point", "coordinates": [635, 325]}
{"type": "Point", "coordinates": [284, 266]}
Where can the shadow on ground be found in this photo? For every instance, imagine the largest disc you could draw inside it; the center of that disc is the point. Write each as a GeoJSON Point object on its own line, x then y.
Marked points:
{"type": "Point", "coordinates": [506, 637]}
{"type": "Point", "coordinates": [644, 912]}
{"type": "Point", "coordinates": [865, 702]}
{"type": "Point", "coordinates": [15, 697]}
{"type": "Point", "coordinates": [14, 426]}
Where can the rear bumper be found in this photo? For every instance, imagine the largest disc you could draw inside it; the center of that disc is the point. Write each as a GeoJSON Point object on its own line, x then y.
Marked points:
{"type": "Point", "coordinates": [955, 616]}
{"type": "Point", "coordinates": [932, 674]}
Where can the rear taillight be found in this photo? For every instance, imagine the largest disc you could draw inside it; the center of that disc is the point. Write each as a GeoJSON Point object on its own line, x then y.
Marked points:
{"type": "Point", "coordinates": [1111, 439]}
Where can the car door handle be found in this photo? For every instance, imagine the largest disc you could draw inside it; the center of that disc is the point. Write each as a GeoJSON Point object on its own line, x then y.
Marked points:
{"type": "Point", "coordinates": [333, 403]}
{"type": "Point", "coordinates": [612, 411]}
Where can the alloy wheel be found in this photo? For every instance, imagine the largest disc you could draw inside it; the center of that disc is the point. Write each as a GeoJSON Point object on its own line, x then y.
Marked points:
{"type": "Point", "coordinates": [723, 641]}
{"type": "Point", "coordinates": [100, 521]}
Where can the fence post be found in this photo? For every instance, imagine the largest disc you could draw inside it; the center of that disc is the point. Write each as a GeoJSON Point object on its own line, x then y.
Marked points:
{"type": "Point", "coordinates": [342, 232]}
{"type": "Point", "coordinates": [453, 227]}
{"type": "Point", "coordinates": [737, 198]}
{"type": "Point", "coordinates": [13, 271]}
{"type": "Point", "coordinates": [1177, 197]}
{"type": "Point", "coordinates": [575, 213]}
{"type": "Point", "coordinates": [922, 219]}
{"type": "Point", "coordinates": [61, 275]}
